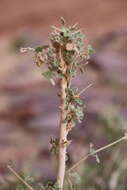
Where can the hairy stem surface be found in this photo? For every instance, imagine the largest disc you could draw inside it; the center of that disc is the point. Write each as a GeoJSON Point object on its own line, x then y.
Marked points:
{"type": "Point", "coordinates": [63, 137]}
{"type": "Point", "coordinates": [63, 126]}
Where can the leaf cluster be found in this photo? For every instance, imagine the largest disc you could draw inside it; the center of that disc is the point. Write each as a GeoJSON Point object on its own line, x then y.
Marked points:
{"type": "Point", "coordinates": [74, 106]}
{"type": "Point", "coordinates": [28, 179]}
{"type": "Point", "coordinates": [73, 180]}
{"type": "Point", "coordinates": [71, 41]}
{"type": "Point", "coordinates": [54, 145]}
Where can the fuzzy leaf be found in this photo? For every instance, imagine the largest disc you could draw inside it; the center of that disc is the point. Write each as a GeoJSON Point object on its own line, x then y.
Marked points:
{"type": "Point", "coordinates": [75, 176]}
{"type": "Point", "coordinates": [90, 49]}
{"type": "Point", "coordinates": [78, 101]}
{"type": "Point", "coordinates": [48, 75]}
{"type": "Point", "coordinates": [40, 48]}
{"type": "Point", "coordinates": [20, 187]}
{"type": "Point", "coordinates": [40, 186]}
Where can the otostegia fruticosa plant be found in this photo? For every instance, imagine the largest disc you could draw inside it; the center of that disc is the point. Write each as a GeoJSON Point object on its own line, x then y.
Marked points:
{"type": "Point", "coordinates": [65, 56]}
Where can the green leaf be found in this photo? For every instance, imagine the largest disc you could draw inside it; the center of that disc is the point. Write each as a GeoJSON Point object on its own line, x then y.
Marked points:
{"type": "Point", "coordinates": [29, 179]}
{"type": "Point", "coordinates": [40, 186]}
{"type": "Point", "coordinates": [65, 32]}
{"type": "Point", "coordinates": [78, 101]}
{"type": "Point", "coordinates": [50, 52]}
{"type": "Point", "coordinates": [20, 187]}
{"type": "Point", "coordinates": [40, 48]}
{"type": "Point", "coordinates": [76, 177]}
{"type": "Point", "coordinates": [78, 115]}
{"type": "Point", "coordinates": [78, 35]}
{"type": "Point", "coordinates": [48, 75]}
{"type": "Point", "coordinates": [90, 49]}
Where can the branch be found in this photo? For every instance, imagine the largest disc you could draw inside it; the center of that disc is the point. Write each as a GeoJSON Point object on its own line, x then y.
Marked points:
{"type": "Point", "coordinates": [19, 177]}
{"type": "Point", "coordinates": [96, 151]}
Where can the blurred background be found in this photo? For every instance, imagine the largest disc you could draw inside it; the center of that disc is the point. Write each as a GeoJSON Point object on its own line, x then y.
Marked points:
{"type": "Point", "coordinates": [29, 104]}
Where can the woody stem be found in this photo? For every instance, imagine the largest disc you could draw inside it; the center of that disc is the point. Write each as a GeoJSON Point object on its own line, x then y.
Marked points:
{"type": "Point", "coordinates": [62, 131]}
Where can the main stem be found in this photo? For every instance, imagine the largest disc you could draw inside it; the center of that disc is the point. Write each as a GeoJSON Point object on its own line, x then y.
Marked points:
{"type": "Point", "coordinates": [63, 130]}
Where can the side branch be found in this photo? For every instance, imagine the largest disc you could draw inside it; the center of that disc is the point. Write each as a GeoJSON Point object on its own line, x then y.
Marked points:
{"type": "Point", "coordinates": [19, 177]}
{"type": "Point", "coordinates": [95, 152]}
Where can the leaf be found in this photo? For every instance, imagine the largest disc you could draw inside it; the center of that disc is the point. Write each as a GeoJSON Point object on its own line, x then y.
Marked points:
{"type": "Point", "coordinates": [79, 113]}
{"type": "Point", "coordinates": [40, 48]}
{"type": "Point", "coordinates": [90, 49]}
{"type": "Point", "coordinates": [50, 52]}
{"type": "Point", "coordinates": [78, 101]}
{"type": "Point", "coordinates": [29, 179]}
{"type": "Point", "coordinates": [75, 176]}
{"type": "Point", "coordinates": [20, 187]}
{"type": "Point", "coordinates": [48, 75]}
{"type": "Point", "coordinates": [65, 32]}
{"type": "Point", "coordinates": [40, 186]}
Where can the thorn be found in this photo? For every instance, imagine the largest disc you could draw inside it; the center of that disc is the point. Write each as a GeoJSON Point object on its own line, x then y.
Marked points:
{"type": "Point", "coordinates": [75, 25]}
{"type": "Point", "coordinates": [57, 29]}
{"type": "Point", "coordinates": [82, 91]}
{"type": "Point", "coordinates": [52, 82]}
{"type": "Point", "coordinates": [63, 22]}
{"type": "Point", "coordinates": [125, 136]}
{"type": "Point", "coordinates": [25, 50]}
